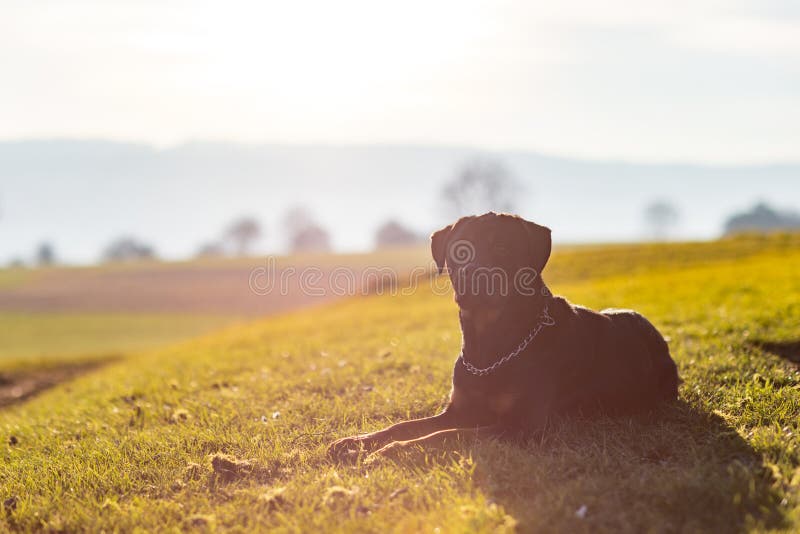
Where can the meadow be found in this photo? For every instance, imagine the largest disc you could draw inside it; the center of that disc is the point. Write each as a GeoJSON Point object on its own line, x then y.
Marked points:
{"type": "Point", "coordinates": [228, 431]}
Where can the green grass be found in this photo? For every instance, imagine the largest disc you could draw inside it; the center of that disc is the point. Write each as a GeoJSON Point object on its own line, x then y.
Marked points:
{"type": "Point", "coordinates": [133, 444]}
{"type": "Point", "coordinates": [587, 262]}
{"type": "Point", "coordinates": [43, 336]}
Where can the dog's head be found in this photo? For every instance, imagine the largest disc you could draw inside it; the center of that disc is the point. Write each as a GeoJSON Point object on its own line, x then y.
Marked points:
{"type": "Point", "coordinates": [492, 259]}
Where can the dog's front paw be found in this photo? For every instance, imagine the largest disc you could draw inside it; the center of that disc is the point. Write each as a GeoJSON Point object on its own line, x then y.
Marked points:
{"type": "Point", "coordinates": [391, 450]}
{"type": "Point", "coordinates": [349, 446]}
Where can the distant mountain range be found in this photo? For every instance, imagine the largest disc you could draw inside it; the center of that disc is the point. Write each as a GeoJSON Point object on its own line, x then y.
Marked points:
{"type": "Point", "coordinates": [81, 194]}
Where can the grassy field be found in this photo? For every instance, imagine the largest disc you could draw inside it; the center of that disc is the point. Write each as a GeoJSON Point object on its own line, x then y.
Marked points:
{"type": "Point", "coordinates": [220, 286]}
{"type": "Point", "coordinates": [61, 335]}
{"type": "Point", "coordinates": [229, 431]}
{"type": "Point", "coordinates": [14, 277]}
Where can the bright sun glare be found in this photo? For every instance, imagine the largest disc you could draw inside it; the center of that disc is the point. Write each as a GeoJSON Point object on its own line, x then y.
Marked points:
{"type": "Point", "coordinates": [616, 79]}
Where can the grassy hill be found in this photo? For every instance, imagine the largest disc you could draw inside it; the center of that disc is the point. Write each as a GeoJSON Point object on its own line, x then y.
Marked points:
{"type": "Point", "coordinates": [66, 313]}
{"type": "Point", "coordinates": [228, 431]}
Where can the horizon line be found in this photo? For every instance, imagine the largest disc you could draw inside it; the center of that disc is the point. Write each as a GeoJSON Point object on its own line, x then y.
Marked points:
{"type": "Point", "coordinates": [411, 144]}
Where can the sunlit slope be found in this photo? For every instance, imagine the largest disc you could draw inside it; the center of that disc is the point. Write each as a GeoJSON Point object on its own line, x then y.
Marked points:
{"type": "Point", "coordinates": [61, 314]}
{"type": "Point", "coordinates": [62, 335]}
{"type": "Point", "coordinates": [133, 444]}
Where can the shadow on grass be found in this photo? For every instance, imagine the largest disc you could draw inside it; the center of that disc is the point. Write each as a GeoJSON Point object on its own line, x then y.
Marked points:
{"type": "Point", "coordinates": [788, 350]}
{"type": "Point", "coordinates": [679, 470]}
{"type": "Point", "coordinates": [26, 381]}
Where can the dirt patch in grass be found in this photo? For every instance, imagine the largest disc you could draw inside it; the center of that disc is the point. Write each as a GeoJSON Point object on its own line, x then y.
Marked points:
{"type": "Point", "coordinates": [20, 385]}
{"type": "Point", "coordinates": [227, 468]}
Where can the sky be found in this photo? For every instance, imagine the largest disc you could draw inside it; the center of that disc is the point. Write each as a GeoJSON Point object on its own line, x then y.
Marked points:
{"type": "Point", "coordinates": [703, 81]}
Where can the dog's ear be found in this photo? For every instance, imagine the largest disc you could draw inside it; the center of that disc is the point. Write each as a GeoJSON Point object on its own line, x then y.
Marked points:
{"type": "Point", "coordinates": [541, 243]}
{"type": "Point", "coordinates": [439, 241]}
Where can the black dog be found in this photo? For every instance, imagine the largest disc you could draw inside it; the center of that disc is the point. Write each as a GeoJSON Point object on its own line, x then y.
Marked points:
{"type": "Point", "coordinates": [528, 356]}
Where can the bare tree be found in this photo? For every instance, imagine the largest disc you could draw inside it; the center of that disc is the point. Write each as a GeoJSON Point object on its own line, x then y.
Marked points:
{"type": "Point", "coordinates": [392, 233]}
{"type": "Point", "coordinates": [242, 233]}
{"type": "Point", "coordinates": [661, 216]}
{"type": "Point", "coordinates": [480, 185]}
{"type": "Point", "coordinates": [45, 255]}
{"type": "Point", "coordinates": [212, 249]}
{"type": "Point", "coordinates": [297, 218]}
{"type": "Point", "coordinates": [304, 233]}
{"type": "Point", "coordinates": [128, 249]}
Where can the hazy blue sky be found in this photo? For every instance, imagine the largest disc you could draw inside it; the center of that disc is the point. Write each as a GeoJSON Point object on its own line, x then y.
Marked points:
{"type": "Point", "coordinates": [667, 80]}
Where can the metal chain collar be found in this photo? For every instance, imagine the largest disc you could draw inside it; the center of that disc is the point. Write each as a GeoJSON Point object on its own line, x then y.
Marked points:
{"type": "Point", "coordinates": [544, 320]}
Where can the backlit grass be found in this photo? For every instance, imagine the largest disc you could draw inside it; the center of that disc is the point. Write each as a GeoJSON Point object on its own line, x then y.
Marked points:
{"type": "Point", "coordinates": [63, 335]}
{"type": "Point", "coordinates": [229, 431]}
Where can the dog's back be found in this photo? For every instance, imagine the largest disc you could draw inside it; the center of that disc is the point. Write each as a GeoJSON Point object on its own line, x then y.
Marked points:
{"type": "Point", "coordinates": [624, 362]}
{"type": "Point", "coordinates": [664, 370]}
